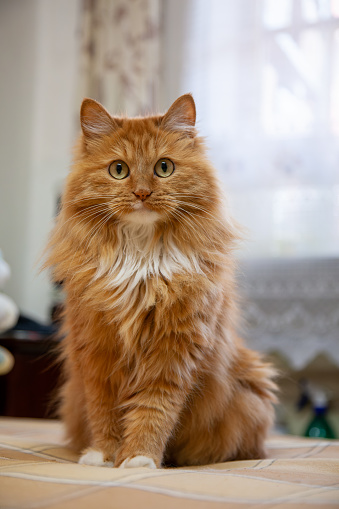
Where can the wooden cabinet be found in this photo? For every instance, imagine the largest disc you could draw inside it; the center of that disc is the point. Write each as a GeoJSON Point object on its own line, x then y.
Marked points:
{"type": "Point", "coordinates": [30, 388]}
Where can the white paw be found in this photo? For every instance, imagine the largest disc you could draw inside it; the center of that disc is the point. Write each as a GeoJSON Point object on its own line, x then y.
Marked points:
{"type": "Point", "coordinates": [95, 458]}
{"type": "Point", "coordinates": [138, 461]}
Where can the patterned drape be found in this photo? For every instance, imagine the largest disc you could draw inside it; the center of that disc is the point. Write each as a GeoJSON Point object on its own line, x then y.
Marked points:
{"type": "Point", "coordinates": [119, 54]}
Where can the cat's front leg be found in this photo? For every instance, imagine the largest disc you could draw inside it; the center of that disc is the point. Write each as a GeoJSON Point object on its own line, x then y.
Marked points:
{"type": "Point", "coordinates": [148, 422]}
{"type": "Point", "coordinates": [102, 421]}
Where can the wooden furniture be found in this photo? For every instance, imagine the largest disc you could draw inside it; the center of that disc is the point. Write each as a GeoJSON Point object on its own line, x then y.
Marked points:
{"type": "Point", "coordinates": [29, 388]}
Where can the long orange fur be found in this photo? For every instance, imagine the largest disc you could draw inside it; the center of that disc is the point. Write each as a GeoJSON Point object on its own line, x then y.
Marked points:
{"type": "Point", "coordinates": [154, 370]}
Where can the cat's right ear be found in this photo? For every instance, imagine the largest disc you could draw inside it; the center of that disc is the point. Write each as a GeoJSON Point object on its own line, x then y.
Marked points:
{"type": "Point", "coordinates": [181, 116]}
{"type": "Point", "coordinates": [95, 120]}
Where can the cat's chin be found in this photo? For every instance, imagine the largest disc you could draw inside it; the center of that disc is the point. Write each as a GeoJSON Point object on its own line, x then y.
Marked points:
{"type": "Point", "coordinates": [142, 216]}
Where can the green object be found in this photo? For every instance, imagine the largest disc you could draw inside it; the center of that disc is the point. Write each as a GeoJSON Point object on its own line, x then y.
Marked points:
{"type": "Point", "coordinates": [319, 427]}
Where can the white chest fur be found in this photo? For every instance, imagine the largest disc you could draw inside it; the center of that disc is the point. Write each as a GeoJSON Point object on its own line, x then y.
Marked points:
{"type": "Point", "coordinates": [127, 273]}
{"type": "Point", "coordinates": [136, 258]}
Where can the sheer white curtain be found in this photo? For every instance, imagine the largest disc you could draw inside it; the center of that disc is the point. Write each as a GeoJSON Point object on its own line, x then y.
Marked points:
{"type": "Point", "coordinates": [265, 75]}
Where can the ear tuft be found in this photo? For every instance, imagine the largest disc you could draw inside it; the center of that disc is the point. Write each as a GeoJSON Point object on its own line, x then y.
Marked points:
{"type": "Point", "coordinates": [181, 115]}
{"type": "Point", "coordinates": [95, 120]}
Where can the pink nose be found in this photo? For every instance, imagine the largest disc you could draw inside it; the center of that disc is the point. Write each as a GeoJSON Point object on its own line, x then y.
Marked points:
{"type": "Point", "coordinates": [142, 194]}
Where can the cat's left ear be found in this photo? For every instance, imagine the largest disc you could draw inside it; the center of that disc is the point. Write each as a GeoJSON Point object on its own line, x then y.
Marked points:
{"type": "Point", "coordinates": [181, 116]}
{"type": "Point", "coordinates": [95, 120]}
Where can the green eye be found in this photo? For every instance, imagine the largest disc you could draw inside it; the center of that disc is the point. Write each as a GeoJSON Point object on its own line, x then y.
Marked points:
{"type": "Point", "coordinates": [164, 168]}
{"type": "Point", "coordinates": [118, 170]}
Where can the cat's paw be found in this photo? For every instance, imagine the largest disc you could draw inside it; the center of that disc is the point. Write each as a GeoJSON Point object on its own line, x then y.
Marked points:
{"type": "Point", "coordinates": [95, 458]}
{"type": "Point", "coordinates": [138, 461]}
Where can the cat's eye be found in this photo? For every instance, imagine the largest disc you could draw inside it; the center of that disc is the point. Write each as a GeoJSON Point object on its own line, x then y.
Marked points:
{"type": "Point", "coordinates": [164, 168]}
{"type": "Point", "coordinates": [118, 170]}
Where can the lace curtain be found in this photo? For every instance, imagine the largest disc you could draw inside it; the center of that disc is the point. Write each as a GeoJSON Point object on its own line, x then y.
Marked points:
{"type": "Point", "coordinates": [120, 54]}
{"type": "Point", "coordinates": [292, 307]}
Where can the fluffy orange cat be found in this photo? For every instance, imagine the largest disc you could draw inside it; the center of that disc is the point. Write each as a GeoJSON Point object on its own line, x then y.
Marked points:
{"type": "Point", "coordinates": [155, 373]}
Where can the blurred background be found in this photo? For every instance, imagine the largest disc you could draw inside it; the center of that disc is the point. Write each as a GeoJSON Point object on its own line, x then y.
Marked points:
{"type": "Point", "coordinates": [265, 78]}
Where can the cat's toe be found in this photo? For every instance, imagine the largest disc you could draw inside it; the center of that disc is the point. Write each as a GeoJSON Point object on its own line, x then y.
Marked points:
{"type": "Point", "coordinates": [138, 461]}
{"type": "Point", "coordinates": [95, 458]}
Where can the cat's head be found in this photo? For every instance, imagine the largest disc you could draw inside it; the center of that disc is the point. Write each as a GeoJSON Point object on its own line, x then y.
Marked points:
{"type": "Point", "coordinates": [142, 170]}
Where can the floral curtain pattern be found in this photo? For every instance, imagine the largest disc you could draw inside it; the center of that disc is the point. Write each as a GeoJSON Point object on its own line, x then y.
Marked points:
{"type": "Point", "coordinates": [119, 54]}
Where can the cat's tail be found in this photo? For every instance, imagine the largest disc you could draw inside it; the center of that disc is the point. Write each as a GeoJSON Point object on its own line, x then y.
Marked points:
{"type": "Point", "coordinates": [256, 374]}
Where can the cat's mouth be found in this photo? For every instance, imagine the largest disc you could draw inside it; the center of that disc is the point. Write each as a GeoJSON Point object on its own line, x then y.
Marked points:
{"type": "Point", "coordinates": [141, 206]}
{"type": "Point", "coordinates": [142, 213]}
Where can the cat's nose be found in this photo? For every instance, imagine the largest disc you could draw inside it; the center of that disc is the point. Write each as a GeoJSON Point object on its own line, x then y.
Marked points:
{"type": "Point", "coordinates": [142, 194]}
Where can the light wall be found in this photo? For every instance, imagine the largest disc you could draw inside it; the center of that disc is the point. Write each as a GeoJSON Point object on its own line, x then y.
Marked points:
{"type": "Point", "coordinates": [38, 70]}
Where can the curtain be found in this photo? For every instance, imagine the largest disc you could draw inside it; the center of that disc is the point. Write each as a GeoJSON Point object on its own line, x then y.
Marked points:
{"type": "Point", "coordinates": [120, 54]}
{"type": "Point", "coordinates": [265, 76]}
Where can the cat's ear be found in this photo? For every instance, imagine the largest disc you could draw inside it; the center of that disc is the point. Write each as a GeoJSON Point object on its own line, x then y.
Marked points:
{"type": "Point", "coordinates": [181, 115]}
{"type": "Point", "coordinates": [95, 120]}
